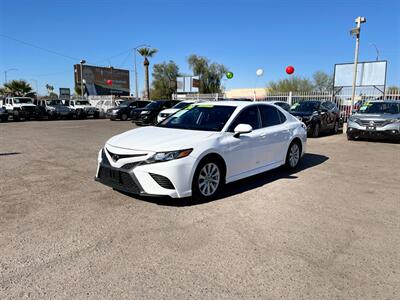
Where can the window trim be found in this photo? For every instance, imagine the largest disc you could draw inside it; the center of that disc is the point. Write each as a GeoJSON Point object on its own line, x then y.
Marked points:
{"type": "Point", "coordinates": [277, 111]}
{"type": "Point", "coordinates": [241, 111]}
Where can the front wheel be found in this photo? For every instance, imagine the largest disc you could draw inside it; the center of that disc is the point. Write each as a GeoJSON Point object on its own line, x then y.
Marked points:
{"type": "Point", "coordinates": [293, 155]}
{"type": "Point", "coordinates": [335, 129]}
{"type": "Point", "coordinates": [124, 117]}
{"type": "Point", "coordinates": [316, 130]}
{"type": "Point", "coordinates": [208, 179]}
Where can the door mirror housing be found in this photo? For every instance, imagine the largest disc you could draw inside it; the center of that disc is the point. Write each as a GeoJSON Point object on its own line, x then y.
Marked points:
{"type": "Point", "coordinates": [242, 129]}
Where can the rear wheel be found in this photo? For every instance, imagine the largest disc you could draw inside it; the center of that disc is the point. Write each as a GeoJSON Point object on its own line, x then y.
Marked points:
{"type": "Point", "coordinates": [293, 155]}
{"type": "Point", "coordinates": [335, 129]}
{"type": "Point", "coordinates": [208, 179]}
{"type": "Point", "coordinates": [350, 137]}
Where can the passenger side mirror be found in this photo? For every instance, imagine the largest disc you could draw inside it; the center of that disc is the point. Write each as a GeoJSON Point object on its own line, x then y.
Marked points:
{"type": "Point", "coordinates": [242, 129]}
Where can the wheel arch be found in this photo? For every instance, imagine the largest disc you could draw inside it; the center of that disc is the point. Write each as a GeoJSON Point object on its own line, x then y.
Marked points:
{"type": "Point", "coordinates": [215, 156]}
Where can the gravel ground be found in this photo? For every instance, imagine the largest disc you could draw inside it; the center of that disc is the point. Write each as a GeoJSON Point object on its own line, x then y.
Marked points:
{"type": "Point", "coordinates": [329, 230]}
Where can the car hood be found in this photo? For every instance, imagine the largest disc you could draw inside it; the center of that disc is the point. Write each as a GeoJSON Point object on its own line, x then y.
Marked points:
{"type": "Point", "coordinates": [24, 105]}
{"type": "Point", "coordinates": [376, 117]}
{"type": "Point", "coordinates": [301, 114]}
{"type": "Point", "coordinates": [61, 108]}
{"type": "Point", "coordinates": [169, 111]}
{"type": "Point", "coordinates": [158, 139]}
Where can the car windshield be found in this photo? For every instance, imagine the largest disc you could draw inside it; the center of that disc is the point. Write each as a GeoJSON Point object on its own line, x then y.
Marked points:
{"type": "Point", "coordinates": [124, 104]}
{"type": "Point", "coordinates": [154, 104]}
{"type": "Point", "coordinates": [305, 106]}
{"type": "Point", "coordinates": [203, 117]}
{"type": "Point", "coordinates": [379, 108]}
{"type": "Point", "coordinates": [53, 102]}
{"type": "Point", "coordinates": [80, 102]}
{"type": "Point", "coordinates": [22, 100]}
{"type": "Point", "coordinates": [181, 105]}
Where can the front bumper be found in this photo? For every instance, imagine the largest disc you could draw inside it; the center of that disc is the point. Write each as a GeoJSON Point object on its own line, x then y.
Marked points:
{"type": "Point", "coordinates": [390, 131]}
{"type": "Point", "coordinates": [172, 178]}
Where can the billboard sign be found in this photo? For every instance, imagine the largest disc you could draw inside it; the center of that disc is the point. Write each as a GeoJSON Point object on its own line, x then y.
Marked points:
{"type": "Point", "coordinates": [368, 74]}
{"type": "Point", "coordinates": [188, 84]}
{"type": "Point", "coordinates": [65, 93]}
{"type": "Point", "coordinates": [102, 81]}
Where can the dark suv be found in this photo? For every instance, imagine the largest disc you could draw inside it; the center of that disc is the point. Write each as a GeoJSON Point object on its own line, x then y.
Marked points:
{"type": "Point", "coordinates": [318, 116]}
{"type": "Point", "coordinates": [148, 114]}
{"type": "Point", "coordinates": [123, 111]}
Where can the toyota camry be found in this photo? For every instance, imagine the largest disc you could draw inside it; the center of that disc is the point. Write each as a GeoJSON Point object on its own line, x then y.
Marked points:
{"type": "Point", "coordinates": [197, 150]}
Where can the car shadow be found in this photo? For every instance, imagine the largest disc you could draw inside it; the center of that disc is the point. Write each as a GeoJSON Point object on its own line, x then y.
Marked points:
{"type": "Point", "coordinates": [309, 160]}
{"type": "Point", "coordinates": [10, 153]}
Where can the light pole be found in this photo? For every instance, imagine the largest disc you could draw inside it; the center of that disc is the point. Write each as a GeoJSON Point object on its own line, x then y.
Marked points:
{"type": "Point", "coordinates": [82, 62]}
{"type": "Point", "coordinates": [356, 32]}
{"type": "Point", "coordinates": [5, 73]}
{"type": "Point", "coordinates": [376, 49]}
{"type": "Point", "coordinates": [135, 71]}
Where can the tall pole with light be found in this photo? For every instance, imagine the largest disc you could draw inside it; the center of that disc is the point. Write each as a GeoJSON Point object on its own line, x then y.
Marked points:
{"type": "Point", "coordinates": [376, 50]}
{"type": "Point", "coordinates": [135, 70]}
{"type": "Point", "coordinates": [5, 74]}
{"type": "Point", "coordinates": [82, 62]}
{"type": "Point", "coordinates": [356, 32]}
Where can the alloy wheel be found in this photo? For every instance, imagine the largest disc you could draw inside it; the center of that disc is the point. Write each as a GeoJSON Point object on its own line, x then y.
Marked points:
{"type": "Point", "coordinates": [294, 155]}
{"type": "Point", "coordinates": [209, 179]}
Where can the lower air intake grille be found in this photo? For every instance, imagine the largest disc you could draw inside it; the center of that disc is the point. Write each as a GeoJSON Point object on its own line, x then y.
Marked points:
{"type": "Point", "coordinates": [118, 179]}
{"type": "Point", "coordinates": [163, 181]}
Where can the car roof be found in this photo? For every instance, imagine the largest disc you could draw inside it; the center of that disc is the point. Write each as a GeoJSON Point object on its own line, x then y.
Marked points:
{"type": "Point", "coordinates": [230, 103]}
{"type": "Point", "coordinates": [384, 101]}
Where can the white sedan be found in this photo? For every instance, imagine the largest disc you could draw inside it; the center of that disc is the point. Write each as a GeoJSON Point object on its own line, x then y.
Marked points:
{"type": "Point", "coordinates": [169, 111]}
{"type": "Point", "coordinates": [200, 148]}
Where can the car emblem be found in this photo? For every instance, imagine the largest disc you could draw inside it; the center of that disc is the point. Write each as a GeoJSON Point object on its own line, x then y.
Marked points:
{"type": "Point", "coordinates": [371, 123]}
{"type": "Point", "coordinates": [115, 157]}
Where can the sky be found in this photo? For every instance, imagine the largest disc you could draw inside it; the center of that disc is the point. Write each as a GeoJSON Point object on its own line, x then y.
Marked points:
{"type": "Point", "coordinates": [43, 39]}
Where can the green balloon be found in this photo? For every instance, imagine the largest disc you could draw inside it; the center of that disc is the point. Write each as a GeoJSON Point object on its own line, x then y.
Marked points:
{"type": "Point", "coordinates": [229, 75]}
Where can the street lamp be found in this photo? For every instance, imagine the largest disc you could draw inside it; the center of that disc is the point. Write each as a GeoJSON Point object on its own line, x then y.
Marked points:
{"type": "Point", "coordinates": [5, 73]}
{"type": "Point", "coordinates": [82, 62]}
{"type": "Point", "coordinates": [135, 71]}
{"type": "Point", "coordinates": [376, 49]}
{"type": "Point", "coordinates": [356, 32]}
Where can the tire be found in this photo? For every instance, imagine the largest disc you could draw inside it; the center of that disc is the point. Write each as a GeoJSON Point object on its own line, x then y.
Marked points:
{"type": "Point", "coordinates": [206, 189]}
{"type": "Point", "coordinates": [316, 130]}
{"type": "Point", "coordinates": [350, 137]}
{"type": "Point", "coordinates": [124, 117]}
{"type": "Point", "coordinates": [335, 129]}
{"type": "Point", "coordinates": [16, 116]}
{"type": "Point", "coordinates": [293, 155]}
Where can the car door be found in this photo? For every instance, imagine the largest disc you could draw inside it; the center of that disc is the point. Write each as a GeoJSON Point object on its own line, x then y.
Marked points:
{"type": "Point", "coordinates": [325, 116]}
{"type": "Point", "coordinates": [241, 152]}
{"type": "Point", "coordinates": [8, 105]}
{"type": "Point", "coordinates": [275, 135]}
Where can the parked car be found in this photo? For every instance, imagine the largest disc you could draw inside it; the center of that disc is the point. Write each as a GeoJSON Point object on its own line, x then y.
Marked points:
{"type": "Point", "coordinates": [282, 104]}
{"type": "Point", "coordinates": [83, 108]}
{"type": "Point", "coordinates": [169, 111]}
{"type": "Point", "coordinates": [375, 119]}
{"type": "Point", "coordinates": [198, 150]}
{"type": "Point", "coordinates": [104, 105]}
{"type": "Point", "coordinates": [3, 114]}
{"type": "Point", "coordinates": [20, 107]}
{"type": "Point", "coordinates": [123, 111]}
{"type": "Point", "coordinates": [318, 116]}
{"type": "Point", "coordinates": [54, 109]}
{"type": "Point", "coordinates": [148, 114]}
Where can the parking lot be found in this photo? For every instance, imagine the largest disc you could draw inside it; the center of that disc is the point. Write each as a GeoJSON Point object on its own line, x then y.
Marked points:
{"type": "Point", "coordinates": [329, 230]}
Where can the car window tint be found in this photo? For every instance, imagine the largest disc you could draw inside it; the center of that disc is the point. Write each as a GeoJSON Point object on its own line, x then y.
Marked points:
{"type": "Point", "coordinates": [247, 116]}
{"type": "Point", "coordinates": [282, 117]}
{"type": "Point", "coordinates": [269, 115]}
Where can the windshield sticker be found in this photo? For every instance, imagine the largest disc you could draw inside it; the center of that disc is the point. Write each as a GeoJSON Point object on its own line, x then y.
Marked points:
{"type": "Point", "coordinates": [189, 106]}
{"type": "Point", "coordinates": [205, 105]}
{"type": "Point", "coordinates": [295, 105]}
{"type": "Point", "coordinates": [364, 107]}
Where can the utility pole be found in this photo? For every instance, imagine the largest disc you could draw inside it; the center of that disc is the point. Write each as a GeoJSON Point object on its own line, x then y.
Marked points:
{"type": "Point", "coordinates": [356, 32]}
{"type": "Point", "coordinates": [5, 74]}
{"type": "Point", "coordinates": [81, 63]}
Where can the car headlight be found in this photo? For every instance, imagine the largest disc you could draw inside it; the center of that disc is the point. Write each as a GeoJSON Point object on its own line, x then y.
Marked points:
{"type": "Point", "coordinates": [51, 108]}
{"type": "Point", "coordinates": [145, 112]}
{"type": "Point", "coordinates": [391, 121]}
{"type": "Point", "coordinates": [353, 119]}
{"type": "Point", "coordinates": [170, 155]}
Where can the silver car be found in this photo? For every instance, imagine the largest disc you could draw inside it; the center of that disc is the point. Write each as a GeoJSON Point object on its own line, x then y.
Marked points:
{"type": "Point", "coordinates": [375, 119]}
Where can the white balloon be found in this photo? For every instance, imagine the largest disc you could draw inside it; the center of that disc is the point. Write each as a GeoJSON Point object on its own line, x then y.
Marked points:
{"type": "Point", "coordinates": [260, 72]}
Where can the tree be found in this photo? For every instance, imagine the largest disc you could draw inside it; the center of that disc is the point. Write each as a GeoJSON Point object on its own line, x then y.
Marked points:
{"type": "Point", "coordinates": [322, 82]}
{"type": "Point", "coordinates": [49, 88]}
{"type": "Point", "coordinates": [17, 88]}
{"type": "Point", "coordinates": [294, 84]}
{"type": "Point", "coordinates": [147, 52]}
{"type": "Point", "coordinates": [210, 73]}
{"type": "Point", "coordinates": [164, 80]}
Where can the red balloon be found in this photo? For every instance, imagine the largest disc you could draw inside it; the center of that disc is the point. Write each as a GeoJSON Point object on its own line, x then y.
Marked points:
{"type": "Point", "coordinates": [290, 70]}
{"type": "Point", "coordinates": [109, 82]}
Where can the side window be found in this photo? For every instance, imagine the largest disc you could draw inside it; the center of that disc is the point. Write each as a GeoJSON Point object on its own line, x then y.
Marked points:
{"type": "Point", "coordinates": [282, 117]}
{"type": "Point", "coordinates": [269, 116]}
{"type": "Point", "coordinates": [324, 106]}
{"type": "Point", "coordinates": [286, 107]}
{"type": "Point", "coordinates": [247, 116]}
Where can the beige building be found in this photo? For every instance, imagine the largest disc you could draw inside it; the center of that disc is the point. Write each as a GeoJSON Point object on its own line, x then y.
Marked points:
{"type": "Point", "coordinates": [258, 93]}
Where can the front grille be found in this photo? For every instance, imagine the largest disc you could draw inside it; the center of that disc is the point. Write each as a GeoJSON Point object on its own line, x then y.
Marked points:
{"type": "Point", "coordinates": [28, 108]}
{"type": "Point", "coordinates": [130, 166]}
{"type": "Point", "coordinates": [119, 179]}
{"type": "Point", "coordinates": [162, 181]}
{"type": "Point", "coordinates": [116, 157]}
{"type": "Point", "coordinates": [367, 123]}
{"type": "Point", "coordinates": [104, 158]}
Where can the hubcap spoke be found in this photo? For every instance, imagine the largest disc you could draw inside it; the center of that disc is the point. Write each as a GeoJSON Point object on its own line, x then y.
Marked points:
{"type": "Point", "coordinates": [209, 178]}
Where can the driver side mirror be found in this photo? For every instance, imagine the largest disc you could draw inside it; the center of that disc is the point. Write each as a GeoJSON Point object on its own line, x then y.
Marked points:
{"type": "Point", "coordinates": [242, 129]}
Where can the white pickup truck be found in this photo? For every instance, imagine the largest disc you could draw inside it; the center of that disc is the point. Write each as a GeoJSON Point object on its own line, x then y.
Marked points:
{"type": "Point", "coordinates": [20, 107]}
{"type": "Point", "coordinates": [83, 108]}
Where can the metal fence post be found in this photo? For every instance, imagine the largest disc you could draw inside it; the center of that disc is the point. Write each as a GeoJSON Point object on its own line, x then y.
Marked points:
{"type": "Point", "coordinates": [290, 99]}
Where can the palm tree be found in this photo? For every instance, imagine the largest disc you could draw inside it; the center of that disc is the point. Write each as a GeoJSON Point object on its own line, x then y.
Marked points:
{"type": "Point", "coordinates": [147, 52]}
{"type": "Point", "coordinates": [17, 87]}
